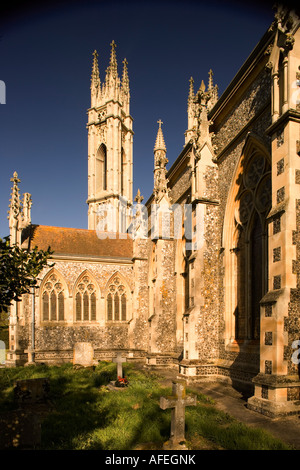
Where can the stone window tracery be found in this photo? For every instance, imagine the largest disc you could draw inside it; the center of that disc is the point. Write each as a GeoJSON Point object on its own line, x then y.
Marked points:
{"type": "Point", "coordinates": [85, 300]}
{"type": "Point", "coordinates": [253, 204]}
{"type": "Point", "coordinates": [116, 301]}
{"type": "Point", "coordinates": [53, 299]}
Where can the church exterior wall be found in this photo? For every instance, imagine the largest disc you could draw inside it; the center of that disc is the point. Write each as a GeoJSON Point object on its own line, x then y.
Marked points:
{"type": "Point", "coordinates": [250, 114]}
{"type": "Point", "coordinates": [54, 341]}
{"type": "Point", "coordinates": [192, 305]}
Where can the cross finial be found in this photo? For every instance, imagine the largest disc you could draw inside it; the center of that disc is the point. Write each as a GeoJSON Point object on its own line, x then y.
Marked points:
{"type": "Point", "coordinates": [160, 122]}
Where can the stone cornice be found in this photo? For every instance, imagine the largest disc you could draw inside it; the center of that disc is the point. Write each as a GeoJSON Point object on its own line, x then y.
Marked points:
{"type": "Point", "coordinates": [90, 258]}
{"type": "Point", "coordinates": [289, 115]}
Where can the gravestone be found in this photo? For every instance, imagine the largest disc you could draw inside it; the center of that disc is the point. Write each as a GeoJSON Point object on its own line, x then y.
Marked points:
{"type": "Point", "coordinates": [31, 391]}
{"type": "Point", "coordinates": [119, 360]}
{"type": "Point", "coordinates": [21, 428]}
{"type": "Point", "coordinates": [178, 401]}
{"type": "Point", "coordinates": [83, 354]}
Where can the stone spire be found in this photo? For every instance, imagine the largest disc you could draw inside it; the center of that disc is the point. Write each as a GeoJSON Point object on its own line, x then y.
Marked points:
{"type": "Point", "coordinates": [160, 161]}
{"type": "Point", "coordinates": [160, 142]}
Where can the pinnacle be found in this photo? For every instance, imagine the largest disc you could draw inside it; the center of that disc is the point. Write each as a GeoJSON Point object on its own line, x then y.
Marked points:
{"type": "Point", "coordinates": [95, 70]}
{"type": "Point", "coordinates": [160, 142]}
{"type": "Point", "coordinates": [125, 79]}
{"type": "Point", "coordinates": [138, 197]}
{"type": "Point", "coordinates": [113, 59]}
{"type": "Point", "coordinates": [15, 178]}
{"type": "Point", "coordinates": [210, 79]}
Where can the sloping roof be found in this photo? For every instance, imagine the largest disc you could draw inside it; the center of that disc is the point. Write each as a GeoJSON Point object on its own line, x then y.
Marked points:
{"type": "Point", "coordinates": [73, 241]}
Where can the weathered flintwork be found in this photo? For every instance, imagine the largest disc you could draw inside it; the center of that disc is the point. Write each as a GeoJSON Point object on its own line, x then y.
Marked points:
{"type": "Point", "coordinates": [203, 277]}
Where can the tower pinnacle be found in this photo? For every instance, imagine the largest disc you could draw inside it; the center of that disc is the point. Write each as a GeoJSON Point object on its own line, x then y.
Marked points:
{"type": "Point", "coordinates": [113, 66]}
{"type": "Point", "coordinates": [95, 71]}
{"type": "Point", "coordinates": [160, 142]}
{"type": "Point", "coordinates": [125, 79]}
{"type": "Point", "coordinates": [160, 161]}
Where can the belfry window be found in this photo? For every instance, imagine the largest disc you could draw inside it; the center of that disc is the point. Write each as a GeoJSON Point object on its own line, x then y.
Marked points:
{"type": "Point", "coordinates": [253, 205]}
{"type": "Point", "coordinates": [53, 300]}
{"type": "Point", "coordinates": [85, 300]}
{"type": "Point", "coordinates": [101, 169]}
{"type": "Point", "coordinates": [116, 301]}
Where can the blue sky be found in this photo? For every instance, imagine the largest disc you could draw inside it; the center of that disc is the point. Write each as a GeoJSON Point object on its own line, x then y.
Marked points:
{"type": "Point", "coordinates": [46, 61]}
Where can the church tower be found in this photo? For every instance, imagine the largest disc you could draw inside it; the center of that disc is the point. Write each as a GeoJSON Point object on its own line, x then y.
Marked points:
{"type": "Point", "coordinates": [110, 142]}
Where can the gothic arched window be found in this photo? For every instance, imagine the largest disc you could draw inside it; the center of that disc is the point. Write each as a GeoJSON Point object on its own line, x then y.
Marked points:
{"type": "Point", "coordinates": [85, 300]}
{"type": "Point", "coordinates": [253, 204]}
{"type": "Point", "coordinates": [53, 307]}
{"type": "Point", "coordinates": [116, 301]}
{"type": "Point", "coordinates": [101, 169]}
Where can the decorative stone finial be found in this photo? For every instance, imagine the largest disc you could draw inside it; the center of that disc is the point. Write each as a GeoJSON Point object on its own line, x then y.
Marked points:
{"type": "Point", "coordinates": [160, 142]}
{"type": "Point", "coordinates": [125, 79]}
{"type": "Point", "coordinates": [138, 197]}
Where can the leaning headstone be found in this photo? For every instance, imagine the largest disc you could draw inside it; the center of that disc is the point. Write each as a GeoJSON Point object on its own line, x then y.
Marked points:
{"type": "Point", "coordinates": [83, 354]}
{"type": "Point", "coordinates": [31, 391]}
{"type": "Point", "coordinates": [178, 401]}
{"type": "Point", "coordinates": [2, 353]}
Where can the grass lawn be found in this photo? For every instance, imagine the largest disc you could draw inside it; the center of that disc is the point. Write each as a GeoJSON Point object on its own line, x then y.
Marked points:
{"type": "Point", "coordinates": [84, 415]}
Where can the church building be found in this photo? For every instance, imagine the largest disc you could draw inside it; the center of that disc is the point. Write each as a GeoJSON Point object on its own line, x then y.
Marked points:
{"type": "Point", "coordinates": [204, 277]}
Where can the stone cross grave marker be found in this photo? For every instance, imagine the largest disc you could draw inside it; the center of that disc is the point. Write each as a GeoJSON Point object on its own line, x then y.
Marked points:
{"type": "Point", "coordinates": [178, 401]}
{"type": "Point", "coordinates": [119, 360]}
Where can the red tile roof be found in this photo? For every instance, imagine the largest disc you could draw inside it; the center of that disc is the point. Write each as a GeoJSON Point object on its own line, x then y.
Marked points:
{"type": "Point", "coordinates": [73, 241]}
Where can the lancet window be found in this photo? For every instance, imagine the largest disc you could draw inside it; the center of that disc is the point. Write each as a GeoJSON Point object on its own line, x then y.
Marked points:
{"type": "Point", "coordinates": [253, 205]}
{"type": "Point", "coordinates": [85, 300]}
{"type": "Point", "coordinates": [53, 307]}
{"type": "Point", "coordinates": [116, 301]}
{"type": "Point", "coordinates": [101, 168]}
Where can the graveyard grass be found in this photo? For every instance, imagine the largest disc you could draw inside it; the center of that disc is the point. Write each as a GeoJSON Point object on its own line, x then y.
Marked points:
{"type": "Point", "coordinates": [83, 414]}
